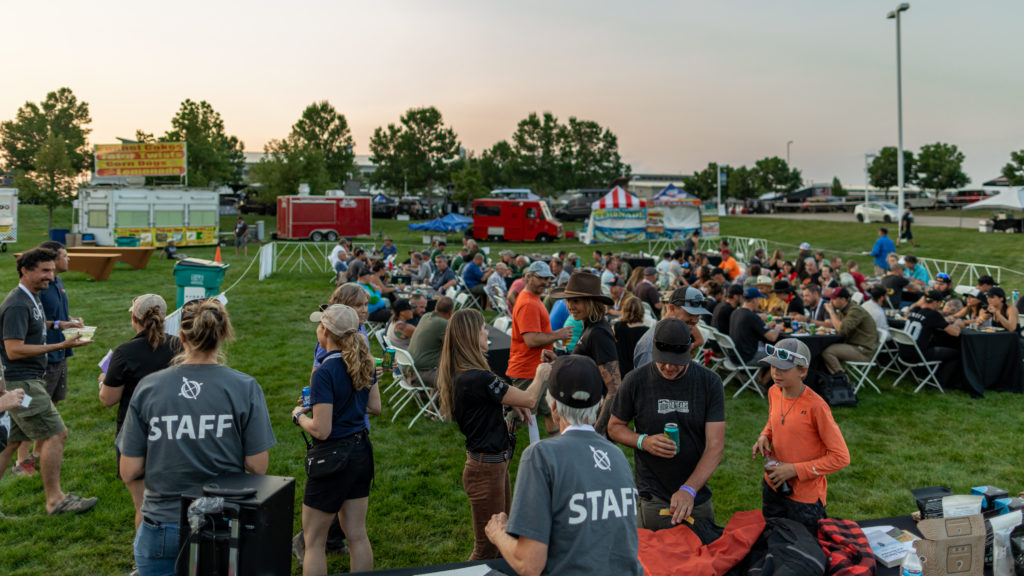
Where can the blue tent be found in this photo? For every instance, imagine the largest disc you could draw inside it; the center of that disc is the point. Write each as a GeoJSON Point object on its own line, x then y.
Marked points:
{"type": "Point", "coordinates": [447, 223]}
{"type": "Point", "coordinates": [381, 199]}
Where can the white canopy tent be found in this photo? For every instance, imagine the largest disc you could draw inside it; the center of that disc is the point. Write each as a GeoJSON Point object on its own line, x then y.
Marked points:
{"type": "Point", "coordinates": [618, 216]}
{"type": "Point", "coordinates": [1010, 199]}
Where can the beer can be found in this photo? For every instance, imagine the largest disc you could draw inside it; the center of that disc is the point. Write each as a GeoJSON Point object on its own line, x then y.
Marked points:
{"type": "Point", "coordinates": [306, 401]}
{"type": "Point", "coordinates": [672, 431]}
{"type": "Point", "coordinates": [388, 360]}
{"type": "Point", "coordinates": [812, 328]}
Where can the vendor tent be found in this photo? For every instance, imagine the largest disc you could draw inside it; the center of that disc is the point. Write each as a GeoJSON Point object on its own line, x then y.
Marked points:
{"type": "Point", "coordinates": [672, 214]}
{"type": "Point", "coordinates": [447, 223]}
{"type": "Point", "coordinates": [1010, 199]}
{"type": "Point", "coordinates": [618, 216]}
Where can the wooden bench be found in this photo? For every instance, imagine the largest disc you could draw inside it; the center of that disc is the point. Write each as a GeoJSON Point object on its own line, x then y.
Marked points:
{"type": "Point", "coordinates": [99, 266]}
{"type": "Point", "coordinates": [136, 257]}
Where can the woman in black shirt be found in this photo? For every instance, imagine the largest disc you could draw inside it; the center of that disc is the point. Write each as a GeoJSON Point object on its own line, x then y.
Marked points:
{"type": "Point", "coordinates": [628, 331]}
{"type": "Point", "coordinates": [473, 396]}
{"type": "Point", "coordinates": [149, 351]}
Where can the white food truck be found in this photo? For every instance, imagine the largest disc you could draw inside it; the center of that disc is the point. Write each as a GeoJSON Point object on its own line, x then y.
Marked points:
{"type": "Point", "coordinates": [8, 217]}
{"type": "Point", "coordinates": [152, 216]}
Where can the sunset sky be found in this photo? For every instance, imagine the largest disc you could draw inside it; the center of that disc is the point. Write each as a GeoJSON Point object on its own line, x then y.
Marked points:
{"type": "Point", "coordinates": [682, 83]}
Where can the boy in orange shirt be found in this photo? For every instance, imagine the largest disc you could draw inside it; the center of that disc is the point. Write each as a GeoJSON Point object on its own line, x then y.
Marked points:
{"type": "Point", "coordinates": [801, 436]}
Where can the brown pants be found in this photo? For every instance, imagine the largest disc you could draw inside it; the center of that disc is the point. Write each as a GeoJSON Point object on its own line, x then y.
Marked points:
{"type": "Point", "coordinates": [490, 492]}
{"type": "Point", "coordinates": [835, 354]}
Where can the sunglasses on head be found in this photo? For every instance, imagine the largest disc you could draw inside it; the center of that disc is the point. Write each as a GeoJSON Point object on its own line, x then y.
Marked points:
{"type": "Point", "coordinates": [324, 307]}
{"type": "Point", "coordinates": [786, 355]}
{"type": "Point", "coordinates": [943, 277]}
{"type": "Point", "coordinates": [672, 348]}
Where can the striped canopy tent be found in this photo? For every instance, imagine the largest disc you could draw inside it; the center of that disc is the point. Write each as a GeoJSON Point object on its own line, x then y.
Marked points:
{"type": "Point", "coordinates": [672, 214]}
{"type": "Point", "coordinates": [618, 216]}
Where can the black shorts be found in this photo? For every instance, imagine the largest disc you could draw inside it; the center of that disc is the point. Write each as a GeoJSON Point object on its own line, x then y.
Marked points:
{"type": "Point", "coordinates": [351, 483]}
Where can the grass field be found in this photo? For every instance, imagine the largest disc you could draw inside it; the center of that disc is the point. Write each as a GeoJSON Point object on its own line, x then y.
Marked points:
{"type": "Point", "coordinates": [418, 511]}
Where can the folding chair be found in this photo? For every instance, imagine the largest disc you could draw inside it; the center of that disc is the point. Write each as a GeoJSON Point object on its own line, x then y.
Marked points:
{"type": "Point", "coordinates": [733, 362]}
{"type": "Point", "coordinates": [710, 336]}
{"type": "Point", "coordinates": [503, 323]}
{"type": "Point", "coordinates": [413, 389]}
{"type": "Point", "coordinates": [931, 367]}
{"type": "Point", "coordinates": [498, 302]}
{"type": "Point", "coordinates": [467, 297]}
{"type": "Point", "coordinates": [861, 371]}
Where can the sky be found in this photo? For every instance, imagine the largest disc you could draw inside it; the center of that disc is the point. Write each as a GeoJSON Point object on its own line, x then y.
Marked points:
{"type": "Point", "coordinates": [681, 83]}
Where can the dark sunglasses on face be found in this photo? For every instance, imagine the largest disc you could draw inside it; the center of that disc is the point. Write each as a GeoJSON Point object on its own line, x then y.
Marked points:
{"type": "Point", "coordinates": [786, 355]}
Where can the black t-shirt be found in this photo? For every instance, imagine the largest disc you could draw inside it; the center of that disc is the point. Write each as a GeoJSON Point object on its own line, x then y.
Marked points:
{"type": "Point", "coordinates": [626, 337]}
{"type": "Point", "coordinates": [895, 285]}
{"type": "Point", "coordinates": [651, 401]}
{"type": "Point", "coordinates": [721, 316]}
{"type": "Point", "coordinates": [648, 292]}
{"type": "Point", "coordinates": [478, 411]}
{"type": "Point", "coordinates": [133, 361]}
{"type": "Point", "coordinates": [22, 318]}
{"type": "Point", "coordinates": [597, 342]}
{"type": "Point", "coordinates": [795, 305]}
{"type": "Point", "coordinates": [746, 329]}
{"type": "Point", "coordinates": [922, 324]}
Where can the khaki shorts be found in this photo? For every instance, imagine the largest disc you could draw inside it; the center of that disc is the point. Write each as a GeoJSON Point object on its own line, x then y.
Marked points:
{"type": "Point", "coordinates": [40, 420]}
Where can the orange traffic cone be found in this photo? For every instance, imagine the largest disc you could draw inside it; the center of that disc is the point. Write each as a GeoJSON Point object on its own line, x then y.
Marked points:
{"type": "Point", "coordinates": [217, 257]}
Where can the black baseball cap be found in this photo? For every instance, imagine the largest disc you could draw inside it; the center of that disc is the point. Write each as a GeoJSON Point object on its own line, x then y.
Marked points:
{"type": "Point", "coordinates": [401, 305]}
{"type": "Point", "coordinates": [935, 296]}
{"type": "Point", "coordinates": [986, 280]}
{"type": "Point", "coordinates": [671, 342]}
{"type": "Point", "coordinates": [735, 290]}
{"type": "Point", "coordinates": [689, 299]}
{"type": "Point", "coordinates": [575, 381]}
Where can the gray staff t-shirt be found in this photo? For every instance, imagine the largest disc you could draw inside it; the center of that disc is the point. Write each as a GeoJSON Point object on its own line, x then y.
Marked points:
{"type": "Point", "coordinates": [575, 493]}
{"type": "Point", "coordinates": [22, 318]}
{"type": "Point", "coordinates": [192, 423]}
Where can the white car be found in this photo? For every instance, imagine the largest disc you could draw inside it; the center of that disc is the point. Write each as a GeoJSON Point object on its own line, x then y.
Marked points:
{"type": "Point", "coordinates": [876, 212]}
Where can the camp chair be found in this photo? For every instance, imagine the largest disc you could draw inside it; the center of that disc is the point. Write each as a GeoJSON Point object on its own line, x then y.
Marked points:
{"type": "Point", "coordinates": [413, 389]}
{"type": "Point", "coordinates": [918, 361]}
{"type": "Point", "coordinates": [733, 362]}
{"type": "Point", "coordinates": [861, 371]}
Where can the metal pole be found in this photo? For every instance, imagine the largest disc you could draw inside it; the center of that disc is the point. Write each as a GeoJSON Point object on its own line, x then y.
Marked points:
{"type": "Point", "coordinates": [787, 153]}
{"type": "Point", "coordinates": [718, 178]}
{"type": "Point", "coordinates": [899, 114]}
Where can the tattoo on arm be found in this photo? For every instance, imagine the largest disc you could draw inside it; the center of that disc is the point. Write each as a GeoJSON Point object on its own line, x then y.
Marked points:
{"type": "Point", "coordinates": [610, 374]}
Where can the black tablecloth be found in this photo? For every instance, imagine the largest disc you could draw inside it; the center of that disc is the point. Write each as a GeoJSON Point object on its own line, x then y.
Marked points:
{"type": "Point", "coordinates": [498, 567]}
{"type": "Point", "coordinates": [903, 523]}
{"type": "Point", "coordinates": [991, 361]}
{"type": "Point", "coordinates": [636, 261]}
{"type": "Point", "coordinates": [816, 343]}
{"type": "Point", "coordinates": [498, 350]}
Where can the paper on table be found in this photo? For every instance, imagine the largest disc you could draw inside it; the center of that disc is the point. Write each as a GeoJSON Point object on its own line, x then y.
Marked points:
{"type": "Point", "coordinates": [534, 430]}
{"type": "Point", "coordinates": [481, 570]}
{"type": "Point", "coordinates": [104, 364]}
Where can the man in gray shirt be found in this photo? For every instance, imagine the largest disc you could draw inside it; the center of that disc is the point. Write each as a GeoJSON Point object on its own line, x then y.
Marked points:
{"type": "Point", "coordinates": [686, 304]}
{"type": "Point", "coordinates": [574, 509]}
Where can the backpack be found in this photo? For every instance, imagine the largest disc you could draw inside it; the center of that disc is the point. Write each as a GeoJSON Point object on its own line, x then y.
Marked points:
{"type": "Point", "coordinates": [836, 390]}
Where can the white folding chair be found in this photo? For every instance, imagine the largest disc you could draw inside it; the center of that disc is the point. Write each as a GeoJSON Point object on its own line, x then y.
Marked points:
{"type": "Point", "coordinates": [733, 362]}
{"type": "Point", "coordinates": [503, 323]}
{"type": "Point", "coordinates": [861, 371]}
{"type": "Point", "coordinates": [498, 301]}
{"type": "Point", "coordinates": [930, 367]}
{"type": "Point", "coordinates": [710, 335]}
{"type": "Point", "coordinates": [414, 389]}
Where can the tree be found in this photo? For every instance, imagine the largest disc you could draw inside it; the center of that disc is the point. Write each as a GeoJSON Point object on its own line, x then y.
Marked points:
{"type": "Point", "coordinates": [535, 154]}
{"type": "Point", "coordinates": [416, 154]}
{"type": "Point", "coordinates": [51, 182]}
{"type": "Point", "coordinates": [288, 163]}
{"type": "Point", "coordinates": [588, 156]}
{"type": "Point", "coordinates": [740, 182]}
{"type": "Point", "coordinates": [837, 188]}
{"type": "Point", "coordinates": [213, 156]}
{"type": "Point", "coordinates": [1014, 169]}
{"type": "Point", "coordinates": [774, 175]}
{"type": "Point", "coordinates": [323, 128]}
{"type": "Point", "coordinates": [704, 184]}
{"type": "Point", "coordinates": [940, 167]}
{"type": "Point", "coordinates": [60, 115]}
{"type": "Point", "coordinates": [883, 169]}
{"type": "Point", "coordinates": [496, 165]}
{"type": "Point", "coordinates": [468, 180]}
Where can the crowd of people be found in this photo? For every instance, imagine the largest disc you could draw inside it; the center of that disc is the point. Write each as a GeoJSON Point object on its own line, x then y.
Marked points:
{"type": "Point", "coordinates": [601, 352]}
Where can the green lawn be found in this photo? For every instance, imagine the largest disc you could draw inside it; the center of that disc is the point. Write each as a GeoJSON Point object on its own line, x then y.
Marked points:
{"type": "Point", "coordinates": [418, 511]}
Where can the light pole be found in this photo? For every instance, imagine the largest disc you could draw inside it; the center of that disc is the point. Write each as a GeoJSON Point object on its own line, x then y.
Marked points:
{"type": "Point", "coordinates": [867, 177]}
{"type": "Point", "coordinates": [895, 14]}
{"type": "Point", "coordinates": [787, 153]}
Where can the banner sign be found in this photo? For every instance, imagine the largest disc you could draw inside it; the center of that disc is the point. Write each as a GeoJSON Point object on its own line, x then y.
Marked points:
{"type": "Point", "coordinates": [153, 159]}
{"type": "Point", "coordinates": [619, 224]}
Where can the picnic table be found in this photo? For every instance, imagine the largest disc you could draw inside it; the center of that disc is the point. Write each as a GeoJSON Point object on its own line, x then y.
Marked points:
{"type": "Point", "coordinates": [135, 256]}
{"type": "Point", "coordinates": [97, 265]}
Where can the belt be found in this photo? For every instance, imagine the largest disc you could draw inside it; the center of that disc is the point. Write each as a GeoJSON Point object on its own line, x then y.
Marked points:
{"type": "Point", "coordinates": [150, 521]}
{"type": "Point", "coordinates": [490, 458]}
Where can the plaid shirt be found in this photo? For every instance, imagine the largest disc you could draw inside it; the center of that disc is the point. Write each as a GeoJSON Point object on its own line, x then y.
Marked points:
{"type": "Point", "coordinates": [846, 548]}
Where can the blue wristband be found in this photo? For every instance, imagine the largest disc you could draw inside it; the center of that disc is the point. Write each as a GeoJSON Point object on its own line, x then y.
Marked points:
{"type": "Point", "coordinates": [688, 490]}
{"type": "Point", "coordinates": [640, 442]}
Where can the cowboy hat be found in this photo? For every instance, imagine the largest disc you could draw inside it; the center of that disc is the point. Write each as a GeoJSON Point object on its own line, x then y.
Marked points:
{"type": "Point", "coordinates": [583, 285]}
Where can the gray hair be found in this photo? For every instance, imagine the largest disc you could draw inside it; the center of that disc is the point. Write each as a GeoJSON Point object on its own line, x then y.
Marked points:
{"type": "Point", "coordinates": [810, 260]}
{"type": "Point", "coordinates": [575, 416]}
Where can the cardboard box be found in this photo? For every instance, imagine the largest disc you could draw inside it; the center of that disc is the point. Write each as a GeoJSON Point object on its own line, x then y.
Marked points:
{"type": "Point", "coordinates": [990, 495]}
{"type": "Point", "coordinates": [929, 500]}
{"type": "Point", "coordinates": [952, 546]}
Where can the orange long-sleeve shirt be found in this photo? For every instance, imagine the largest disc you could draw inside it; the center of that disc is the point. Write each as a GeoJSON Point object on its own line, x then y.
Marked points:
{"type": "Point", "coordinates": [810, 440]}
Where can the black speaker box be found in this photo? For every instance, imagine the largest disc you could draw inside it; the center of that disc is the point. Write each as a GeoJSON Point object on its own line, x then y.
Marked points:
{"type": "Point", "coordinates": [265, 527]}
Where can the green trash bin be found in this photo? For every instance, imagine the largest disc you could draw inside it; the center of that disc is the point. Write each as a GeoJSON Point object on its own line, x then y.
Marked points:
{"type": "Point", "coordinates": [126, 242]}
{"type": "Point", "coordinates": [197, 278]}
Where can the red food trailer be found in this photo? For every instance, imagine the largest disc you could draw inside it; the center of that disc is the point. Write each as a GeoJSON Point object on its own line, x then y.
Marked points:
{"type": "Point", "coordinates": [322, 217]}
{"type": "Point", "coordinates": [514, 220]}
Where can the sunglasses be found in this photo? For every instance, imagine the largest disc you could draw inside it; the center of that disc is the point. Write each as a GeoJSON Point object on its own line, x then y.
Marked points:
{"type": "Point", "coordinates": [786, 355]}
{"type": "Point", "coordinates": [943, 277]}
{"type": "Point", "coordinates": [672, 348]}
{"type": "Point", "coordinates": [324, 307]}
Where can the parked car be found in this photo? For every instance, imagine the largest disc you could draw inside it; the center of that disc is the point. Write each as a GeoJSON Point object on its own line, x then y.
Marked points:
{"type": "Point", "coordinates": [384, 206]}
{"type": "Point", "coordinates": [576, 205]}
{"type": "Point", "coordinates": [876, 211]}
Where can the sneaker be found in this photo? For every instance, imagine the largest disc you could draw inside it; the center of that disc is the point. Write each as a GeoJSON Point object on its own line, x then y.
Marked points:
{"type": "Point", "coordinates": [24, 468]}
{"type": "Point", "coordinates": [299, 547]}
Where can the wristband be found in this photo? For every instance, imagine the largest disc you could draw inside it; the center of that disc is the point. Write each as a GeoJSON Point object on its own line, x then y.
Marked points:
{"type": "Point", "coordinates": [688, 490]}
{"type": "Point", "coordinates": [56, 324]}
{"type": "Point", "coordinates": [640, 442]}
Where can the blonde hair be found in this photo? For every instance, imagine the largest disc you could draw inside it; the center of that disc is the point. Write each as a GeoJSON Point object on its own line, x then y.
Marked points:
{"type": "Point", "coordinates": [349, 294]}
{"type": "Point", "coordinates": [634, 278]}
{"type": "Point", "coordinates": [356, 355]}
{"type": "Point", "coordinates": [632, 310]}
{"type": "Point", "coordinates": [205, 326]}
{"type": "Point", "coordinates": [595, 310]}
{"type": "Point", "coordinates": [460, 352]}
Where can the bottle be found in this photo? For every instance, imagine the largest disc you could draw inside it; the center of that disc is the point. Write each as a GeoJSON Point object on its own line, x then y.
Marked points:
{"type": "Point", "coordinates": [911, 565]}
{"type": "Point", "coordinates": [785, 489]}
{"type": "Point", "coordinates": [1016, 296]}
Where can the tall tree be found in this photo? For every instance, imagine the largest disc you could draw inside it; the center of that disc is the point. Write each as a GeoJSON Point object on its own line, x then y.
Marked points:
{"type": "Point", "coordinates": [535, 150]}
{"type": "Point", "coordinates": [774, 175]}
{"type": "Point", "coordinates": [940, 167]}
{"type": "Point", "coordinates": [1014, 169]}
{"type": "Point", "coordinates": [469, 181]}
{"type": "Point", "coordinates": [214, 157]}
{"type": "Point", "coordinates": [51, 181]}
{"type": "Point", "coordinates": [837, 188]}
{"type": "Point", "coordinates": [588, 155]}
{"type": "Point", "coordinates": [884, 172]}
{"type": "Point", "coordinates": [288, 163]}
{"type": "Point", "coordinates": [496, 165]}
{"type": "Point", "coordinates": [704, 184]}
{"type": "Point", "coordinates": [323, 128]}
{"type": "Point", "coordinates": [740, 182]}
{"type": "Point", "coordinates": [416, 154]}
{"type": "Point", "coordinates": [60, 115]}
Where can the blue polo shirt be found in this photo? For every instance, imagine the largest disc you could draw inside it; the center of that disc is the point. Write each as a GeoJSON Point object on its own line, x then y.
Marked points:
{"type": "Point", "coordinates": [472, 275]}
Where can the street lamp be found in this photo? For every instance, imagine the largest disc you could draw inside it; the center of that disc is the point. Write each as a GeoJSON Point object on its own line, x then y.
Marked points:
{"type": "Point", "coordinates": [895, 15]}
{"type": "Point", "coordinates": [867, 178]}
{"type": "Point", "coordinates": [787, 153]}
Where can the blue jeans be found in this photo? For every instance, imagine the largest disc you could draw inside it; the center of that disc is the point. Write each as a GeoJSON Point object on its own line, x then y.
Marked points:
{"type": "Point", "coordinates": [156, 549]}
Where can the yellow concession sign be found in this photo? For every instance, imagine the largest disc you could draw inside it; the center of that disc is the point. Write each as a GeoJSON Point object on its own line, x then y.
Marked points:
{"type": "Point", "coordinates": [155, 159]}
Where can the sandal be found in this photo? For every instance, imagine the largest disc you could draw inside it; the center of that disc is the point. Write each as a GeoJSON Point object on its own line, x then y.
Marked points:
{"type": "Point", "coordinates": [76, 504]}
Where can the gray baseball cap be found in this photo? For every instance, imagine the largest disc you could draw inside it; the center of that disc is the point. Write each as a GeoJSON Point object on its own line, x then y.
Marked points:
{"type": "Point", "coordinates": [540, 269]}
{"type": "Point", "coordinates": [689, 299]}
{"type": "Point", "coordinates": [787, 353]}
